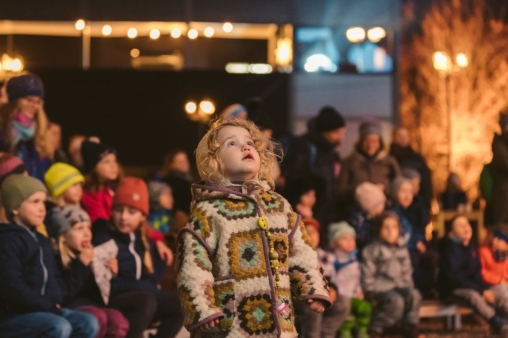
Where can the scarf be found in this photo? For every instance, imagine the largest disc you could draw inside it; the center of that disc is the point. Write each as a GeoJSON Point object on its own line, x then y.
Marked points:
{"type": "Point", "coordinates": [23, 128]}
{"type": "Point", "coordinates": [350, 259]}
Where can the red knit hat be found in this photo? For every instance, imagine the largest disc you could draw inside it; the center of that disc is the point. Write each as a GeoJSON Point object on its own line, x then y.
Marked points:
{"type": "Point", "coordinates": [311, 222]}
{"type": "Point", "coordinates": [133, 193]}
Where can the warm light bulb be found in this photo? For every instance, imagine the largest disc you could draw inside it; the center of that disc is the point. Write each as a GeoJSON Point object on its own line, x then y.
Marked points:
{"type": "Point", "coordinates": [227, 27]}
{"type": "Point", "coordinates": [106, 30]}
{"type": "Point", "coordinates": [155, 34]}
{"type": "Point", "coordinates": [190, 107]}
{"type": "Point", "coordinates": [135, 53]}
{"type": "Point", "coordinates": [176, 33]}
{"type": "Point", "coordinates": [80, 24]}
{"type": "Point", "coordinates": [355, 34]}
{"type": "Point", "coordinates": [209, 32]}
{"type": "Point", "coordinates": [441, 61]}
{"type": "Point", "coordinates": [132, 33]}
{"type": "Point", "coordinates": [192, 33]}
{"type": "Point", "coordinates": [16, 65]}
{"type": "Point", "coordinates": [462, 60]}
{"type": "Point", "coordinates": [376, 34]}
{"type": "Point", "coordinates": [207, 107]}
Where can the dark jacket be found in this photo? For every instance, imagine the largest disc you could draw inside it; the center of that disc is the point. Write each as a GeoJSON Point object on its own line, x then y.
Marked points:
{"type": "Point", "coordinates": [414, 219]}
{"type": "Point", "coordinates": [30, 280]}
{"type": "Point", "coordinates": [408, 158]}
{"type": "Point", "coordinates": [499, 170]}
{"type": "Point", "coordinates": [181, 190]}
{"type": "Point", "coordinates": [459, 268]}
{"type": "Point", "coordinates": [126, 280]}
{"type": "Point", "coordinates": [35, 164]}
{"type": "Point", "coordinates": [364, 228]}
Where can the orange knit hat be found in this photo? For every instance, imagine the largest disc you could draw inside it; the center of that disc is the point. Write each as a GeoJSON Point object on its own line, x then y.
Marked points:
{"type": "Point", "coordinates": [133, 193]}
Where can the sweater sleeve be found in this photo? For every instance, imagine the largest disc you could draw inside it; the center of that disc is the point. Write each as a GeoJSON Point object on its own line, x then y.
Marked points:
{"type": "Point", "coordinates": [94, 206]}
{"type": "Point", "coordinates": [16, 292]}
{"type": "Point", "coordinates": [406, 270]}
{"type": "Point", "coordinates": [368, 270]}
{"type": "Point", "coordinates": [489, 274]}
{"type": "Point", "coordinates": [73, 278]}
{"type": "Point", "coordinates": [194, 273]}
{"type": "Point", "coordinates": [305, 271]}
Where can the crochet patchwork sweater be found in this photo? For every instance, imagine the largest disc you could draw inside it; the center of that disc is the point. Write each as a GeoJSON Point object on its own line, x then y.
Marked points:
{"type": "Point", "coordinates": [224, 269]}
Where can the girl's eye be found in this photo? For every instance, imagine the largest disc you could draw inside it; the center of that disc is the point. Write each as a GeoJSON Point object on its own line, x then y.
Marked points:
{"type": "Point", "coordinates": [231, 143]}
{"type": "Point", "coordinates": [250, 143]}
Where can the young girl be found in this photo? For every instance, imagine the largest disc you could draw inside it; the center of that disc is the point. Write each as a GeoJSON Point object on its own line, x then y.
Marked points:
{"type": "Point", "coordinates": [65, 184]}
{"type": "Point", "coordinates": [161, 207]}
{"type": "Point", "coordinates": [135, 260]}
{"type": "Point", "coordinates": [76, 254]}
{"type": "Point", "coordinates": [31, 297]}
{"type": "Point", "coordinates": [243, 243]}
{"type": "Point", "coordinates": [387, 280]}
{"type": "Point", "coordinates": [24, 124]}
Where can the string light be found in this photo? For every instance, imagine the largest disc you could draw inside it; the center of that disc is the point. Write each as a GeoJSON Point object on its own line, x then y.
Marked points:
{"type": "Point", "coordinates": [106, 30]}
{"type": "Point", "coordinates": [192, 33]}
{"type": "Point", "coordinates": [155, 34]}
{"type": "Point", "coordinates": [227, 27]}
{"type": "Point", "coordinates": [209, 32]}
{"type": "Point", "coordinates": [132, 33]}
{"type": "Point", "coordinates": [176, 33]}
{"type": "Point", "coordinates": [80, 24]}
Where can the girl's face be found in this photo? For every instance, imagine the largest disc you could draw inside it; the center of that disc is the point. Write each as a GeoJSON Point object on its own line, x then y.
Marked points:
{"type": "Point", "coordinates": [181, 163]}
{"type": "Point", "coordinates": [30, 105]}
{"type": "Point", "coordinates": [166, 200]}
{"type": "Point", "coordinates": [79, 236]}
{"type": "Point", "coordinates": [314, 235]}
{"type": "Point", "coordinates": [371, 144]}
{"type": "Point", "coordinates": [107, 168]}
{"type": "Point", "coordinates": [32, 211]}
{"type": "Point", "coordinates": [402, 137]}
{"type": "Point", "coordinates": [346, 243]}
{"type": "Point", "coordinates": [499, 245]}
{"type": "Point", "coordinates": [390, 231]}
{"type": "Point", "coordinates": [73, 194]}
{"type": "Point", "coordinates": [405, 195]}
{"type": "Point", "coordinates": [127, 219]}
{"type": "Point", "coordinates": [309, 198]}
{"type": "Point", "coordinates": [461, 229]}
{"type": "Point", "coordinates": [239, 157]}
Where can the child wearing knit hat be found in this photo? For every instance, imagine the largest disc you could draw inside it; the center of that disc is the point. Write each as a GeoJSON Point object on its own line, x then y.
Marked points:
{"type": "Point", "coordinates": [161, 207]}
{"type": "Point", "coordinates": [65, 184]}
{"type": "Point", "coordinates": [73, 233]}
{"type": "Point", "coordinates": [370, 203]}
{"type": "Point", "coordinates": [135, 260]}
{"type": "Point", "coordinates": [346, 277]}
{"type": "Point", "coordinates": [9, 164]}
{"type": "Point", "coordinates": [31, 291]}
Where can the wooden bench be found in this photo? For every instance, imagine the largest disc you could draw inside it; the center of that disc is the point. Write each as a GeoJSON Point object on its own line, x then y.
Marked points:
{"type": "Point", "coordinates": [452, 312]}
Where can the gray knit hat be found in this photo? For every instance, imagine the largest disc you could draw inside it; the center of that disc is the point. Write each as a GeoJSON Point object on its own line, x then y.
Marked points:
{"type": "Point", "coordinates": [336, 230]}
{"type": "Point", "coordinates": [155, 190]}
{"type": "Point", "coordinates": [396, 184]}
{"type": "Point", "coordinates": [17, 188]}
{"type": "Point", "coordinates": [64, 218]}
{"type": "Point", "coordinates": [369, 127]}
{"type": "Point", "coordinates": [369, 196]}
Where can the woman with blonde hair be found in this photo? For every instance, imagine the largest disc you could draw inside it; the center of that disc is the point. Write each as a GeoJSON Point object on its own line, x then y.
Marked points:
{"type": "Point", "coordinates": [24, 124]}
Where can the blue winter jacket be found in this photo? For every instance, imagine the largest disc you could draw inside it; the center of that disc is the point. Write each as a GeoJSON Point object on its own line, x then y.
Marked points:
{"type": "Point", "coordinates": [29, 280]}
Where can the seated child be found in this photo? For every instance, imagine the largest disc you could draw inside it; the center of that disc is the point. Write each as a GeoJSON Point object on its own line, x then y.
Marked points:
{"type": "Point", "coordinates": [74, 236]}
{"type": "Point", "coordinates": [312, 324]}
{"type": "Point", "coordinates": [161, 207]}
{"type": "Point", "coordinates": [387, 280]}
{"type": "Point", "coordinates": [453, 196]}
{"type": "Point", "coordinates": [460, 273]}
{"type": "Point", "coordinates": [346, 277]}
{"type": "Point", "coordinates": [31, 298]}
{"type": "Point", "coordinates": [371, 201]}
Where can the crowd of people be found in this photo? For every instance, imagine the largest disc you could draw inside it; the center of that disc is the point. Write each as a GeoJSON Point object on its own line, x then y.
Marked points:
{"type": "Point", "coordinates": [84, 249]}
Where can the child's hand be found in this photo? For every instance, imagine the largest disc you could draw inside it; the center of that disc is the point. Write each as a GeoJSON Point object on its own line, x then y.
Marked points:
{"type": "Point", "coordinates": [86, 256]}
{"type": "Point", "coordinates": [164, 252]}
{"type": "Point", "coordinates": [489, 296]}
{"type": "Point", "coordinates": [333, 294]}
{"type": "Point", "coordinates": [420, 246]}
{"type": "Point", "coordinates": [112, 264]}
{"type": "Point", "coordinates": [316, 305]}
{"type": "Point", "coordinates": [210, 324]}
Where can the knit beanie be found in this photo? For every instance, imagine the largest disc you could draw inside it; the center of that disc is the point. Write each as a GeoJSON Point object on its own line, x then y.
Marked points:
{"type": "Point", "coordinates": [23, 86]}
{"type": "Point", "coordinates": [17, 188]}
{"type": "Point", "coordinates": [370, 127]}
{"type": "Point", "coordinates": [369, 196]}
{"type": "Point", "coordinates": [155, 190]}
{"type": "Point", "coordinates": [10, 164]}
{"type": "Point", "coordinates": [64, 218]}
{"type": "Point", "coordinates": [133, 193]}
{"type": "Point", "coordinates": [501, 232]}
{"type": "Point", "coordinates": [329, 119]}
{"type": "Point", "coordinates": [396, 184]}
{"type": "Point", "coordinates": [411, 173]}
{"type": "Point", "coordinates": [60, 177]}
{"type": "Point", "coordinates": [93, 153]}
{"type": "Point", "coordinates": [336, 230]}
{"type": "Point", "coordinates": [233, 111]}
{"type": "Point", "coordinates": [311, 222]}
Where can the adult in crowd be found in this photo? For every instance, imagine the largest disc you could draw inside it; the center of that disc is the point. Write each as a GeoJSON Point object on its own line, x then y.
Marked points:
{"type": "Point", "coordinates": [315, 154]}
{"type": "Point", "coordinates": [24, 125]}
{"type": "Point", "coordinates": [55, 137]}
{"type": "Point", "coordinates": [499, 171]}
{"type": "Point", "coordinates": [369, 162]}
{"type": "Point", "coordinates": [407, 158]}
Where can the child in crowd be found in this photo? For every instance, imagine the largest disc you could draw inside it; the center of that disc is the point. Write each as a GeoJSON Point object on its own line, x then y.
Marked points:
{"type": "Point", "coordinates": [371, 201]}
{"type": "Point", "coordinates": [135, 259]}
{"type": "Point", "coordinates": [460, 274]}
{"type": "Point", "coordinates": [414, 221]}
{"type": "Point", "coordinates": [243, 243]}
{"type": "Point", "coordinates": [31, 297]}
{"type": "Point", "coordinates": [73, 232]}
{"type": "Point", "coordinates": [387, 280]}
{"type": "Point", "coordinates": [346, 277]}
{"type": "Point", "coordinates": [161, 207]}
{"type": "Point", "coordinates": [9, 165]}
{"type": "Point", "coordinates": [454, 196]}
{"type": "Point", "coordinates": [311, 324]}
{"type": "Point", "coordinates": [24, 124]}
{"type": "Point", "coordinates": [494, 262]}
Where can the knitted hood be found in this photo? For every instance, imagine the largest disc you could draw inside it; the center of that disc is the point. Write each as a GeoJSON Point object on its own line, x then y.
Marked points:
{"type": "Point", "coordinates": [203, 191]}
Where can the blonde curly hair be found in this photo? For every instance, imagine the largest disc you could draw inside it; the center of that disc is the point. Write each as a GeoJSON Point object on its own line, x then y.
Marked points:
{"type": "Point", "coordinates": [211, 168]}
